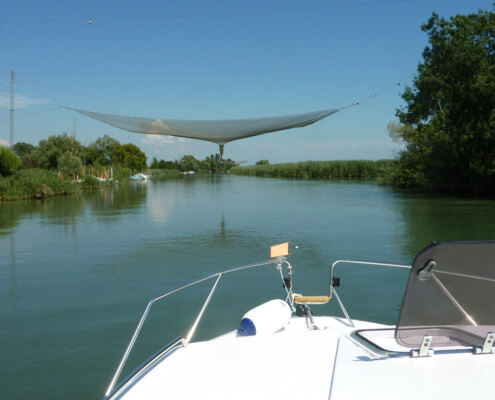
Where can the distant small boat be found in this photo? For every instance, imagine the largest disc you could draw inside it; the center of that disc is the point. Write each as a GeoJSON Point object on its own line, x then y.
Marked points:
{"type": "Point", "coordinates": [98, 178]}
{"type": "Point", "coordinates": [140, 177]}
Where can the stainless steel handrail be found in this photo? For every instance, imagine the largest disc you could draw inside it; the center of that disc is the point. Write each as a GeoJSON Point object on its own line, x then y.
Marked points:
{"type": "Point", "coordinates": [192, 330]}
{"type": "Point", "coordinates": [218, 275]}
{"type": "Point", "coordinates": [333, 291]}
{"type": "Point", "coordinates": [163, 352]}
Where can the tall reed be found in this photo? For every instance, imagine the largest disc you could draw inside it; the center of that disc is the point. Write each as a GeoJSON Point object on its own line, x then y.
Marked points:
{"type": "Point", "coordinates": [319, 169]}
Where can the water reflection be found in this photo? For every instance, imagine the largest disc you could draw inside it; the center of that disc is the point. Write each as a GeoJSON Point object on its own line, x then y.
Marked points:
{"type": "Point", "coordinates": [110, 203]}
{"type": "Point", "coordinates": [12, 212]}
{"type": "Point", "coordinates": [78, 270]}
{"type": "Point", "coordinates": [57, 211]}
{"type": "Point", "coordinates": [67, 211]}
{"type": "Point", "coordinates": [161, 202]}
{"type": "Point", "coordinates": [222, 226]}
{"type": "Point", "coordinates": [432, 218]}
{"type": "Point", "coordinates": [13, 280]}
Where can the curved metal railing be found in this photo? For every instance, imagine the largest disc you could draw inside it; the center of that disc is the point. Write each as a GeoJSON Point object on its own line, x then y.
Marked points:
{"type": "Point", "coordinates": [218, 275]}
{"type": "Point", "coordinates": [185, 340]}
{"type": "Point", "coordinates": [333, 291]}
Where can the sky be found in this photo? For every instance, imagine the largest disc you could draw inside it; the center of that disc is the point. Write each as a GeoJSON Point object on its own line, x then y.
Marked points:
{"type": "Point", "coordinates": [216, 60]}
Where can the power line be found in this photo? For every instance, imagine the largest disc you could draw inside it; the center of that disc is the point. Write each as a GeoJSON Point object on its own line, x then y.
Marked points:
{"type": "Point", "coordinates": [212, 14]}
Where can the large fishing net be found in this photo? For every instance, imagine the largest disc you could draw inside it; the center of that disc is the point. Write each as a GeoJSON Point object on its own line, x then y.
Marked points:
{"type": "Point", "coordinates": [216, 131]}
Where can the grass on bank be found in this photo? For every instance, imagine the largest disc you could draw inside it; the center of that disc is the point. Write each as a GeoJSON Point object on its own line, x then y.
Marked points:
{"type": "Point", "coordinates": [33, 184]}
{"type": "Point", "coordinates": [362, 169]}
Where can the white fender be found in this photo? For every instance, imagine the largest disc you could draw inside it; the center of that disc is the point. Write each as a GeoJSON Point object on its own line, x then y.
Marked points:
{"type": "Point", "coordinates": [267, 318]}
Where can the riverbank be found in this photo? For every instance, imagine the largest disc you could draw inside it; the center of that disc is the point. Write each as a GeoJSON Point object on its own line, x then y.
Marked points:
{"type": "Point", "coordinates": [40, 183]}
{"type": "Point", "coordinates": [363, 169]}
{"type": "Point", "coordinates": [34, 183]}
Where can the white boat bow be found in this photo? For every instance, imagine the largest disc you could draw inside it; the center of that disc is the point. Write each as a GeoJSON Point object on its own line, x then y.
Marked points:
{"type": "Point", "coordinates": [442, 346]}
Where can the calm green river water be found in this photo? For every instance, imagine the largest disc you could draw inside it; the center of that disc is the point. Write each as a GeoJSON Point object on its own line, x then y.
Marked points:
{"type": "Point", "coordinates": [76, 272]}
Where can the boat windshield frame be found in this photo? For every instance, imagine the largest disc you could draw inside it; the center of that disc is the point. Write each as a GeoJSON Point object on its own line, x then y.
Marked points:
{"type": "Point", "coordinates": [449, 296]}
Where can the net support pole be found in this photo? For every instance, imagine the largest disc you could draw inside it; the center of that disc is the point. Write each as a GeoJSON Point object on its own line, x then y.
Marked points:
{"type": "Point", "coordinates": [221, 151]}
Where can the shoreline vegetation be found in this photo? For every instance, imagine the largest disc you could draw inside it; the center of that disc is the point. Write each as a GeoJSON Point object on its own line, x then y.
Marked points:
{"type": "Point", "coordinates": [447, 124]}
{"type": "Point", "coordinates": [347, 169]}
{"type": "Point", "coordinates": [36, 183]}
{"type": "Point", "coordinates": [61, 165]}
{"type": "Point", "coordinates": [39, 183]}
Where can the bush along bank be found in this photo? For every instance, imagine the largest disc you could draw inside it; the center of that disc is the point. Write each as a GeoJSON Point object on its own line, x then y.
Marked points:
{"type": "Point", "coordinates": [34, 184]}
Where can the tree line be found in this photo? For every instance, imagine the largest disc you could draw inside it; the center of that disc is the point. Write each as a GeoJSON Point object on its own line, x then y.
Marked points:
{"type": "Point", "coordinates": [66, 154]}
{"type": "Point", "coordinates": [211, 164]}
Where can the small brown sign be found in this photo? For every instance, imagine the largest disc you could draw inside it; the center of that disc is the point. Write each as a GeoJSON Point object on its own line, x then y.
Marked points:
{"type": "Point", "coordinates": [279, 250]}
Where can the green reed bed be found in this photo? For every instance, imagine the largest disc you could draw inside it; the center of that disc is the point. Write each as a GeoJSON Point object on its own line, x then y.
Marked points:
{"type": "Point", "coordinates": [320, 169]}
{"type": "Point", "coordinates": [33, 183]}
{"type": "Point", "coordinates": [41, 183]}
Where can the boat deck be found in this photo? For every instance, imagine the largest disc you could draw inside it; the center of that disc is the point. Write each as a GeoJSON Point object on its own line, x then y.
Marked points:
{"type": "Point", "coordinates": [442, 376]}
{"type": "Point", "coordinates": [295, 363]}
{"type": "Point", "coordinates": [298, 363]}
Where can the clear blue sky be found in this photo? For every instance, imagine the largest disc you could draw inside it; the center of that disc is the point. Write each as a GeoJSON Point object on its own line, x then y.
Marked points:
{"type": "Point", "coordinates": [215, 60]}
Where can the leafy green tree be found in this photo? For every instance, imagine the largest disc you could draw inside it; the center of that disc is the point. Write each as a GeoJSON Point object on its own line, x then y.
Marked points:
{"type": "Point", "coordinates": [162, 164]}
{"type": "Point", "coordinates": [155, 164]}
{"type": "Point", "coordinates": [49, 151]}
{"type": "Point", "coordinates": [188, 163]}
{"type": "Point", "coordinates": [69, 164]}
{"type": "Point", "coordinates": [448, 123]}
{"type": "Point", "coordinates": [102, 151]}
{"type": "Point", "coordinates": [228, 164]}
{"type": "Point", "coordinates": [22, 148]}
{"type": "Point", "coordinates": [9, 162]}
{"type": "Point", "coordinates": [28, 161]}
{"type": "Point", "coordinates": [210, 164]}
{"type": "Point", "coordinates": [25, 152]}
{"type": "Point", "coordinates": [130, 156]}
{"type": "Point", "coordinates": [213, 164]}
{"type": "Point", "coordinates": [263, 162]}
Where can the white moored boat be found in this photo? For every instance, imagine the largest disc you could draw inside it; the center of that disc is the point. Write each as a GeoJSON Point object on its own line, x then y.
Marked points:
{"type": "Point", "coordinates": [441, 348]}
{"type": "Point", "coordinates": [140, 177]}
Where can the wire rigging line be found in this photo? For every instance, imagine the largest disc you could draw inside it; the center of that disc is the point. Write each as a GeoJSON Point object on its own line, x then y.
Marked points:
{"type": "Point", "coordinates": [32, 113]}
{"type": "Point", "coordinates": [388, 87]}
{"type": "Point", "coordinates": [242, 13]}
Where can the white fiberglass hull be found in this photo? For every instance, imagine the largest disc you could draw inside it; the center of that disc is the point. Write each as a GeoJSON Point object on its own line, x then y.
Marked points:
{"type": "Point", "coordinates": [300, 363]}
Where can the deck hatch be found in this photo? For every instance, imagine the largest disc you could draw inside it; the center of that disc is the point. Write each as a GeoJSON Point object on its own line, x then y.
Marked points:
{"type": "Point", "coordinates": [449, 296]}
